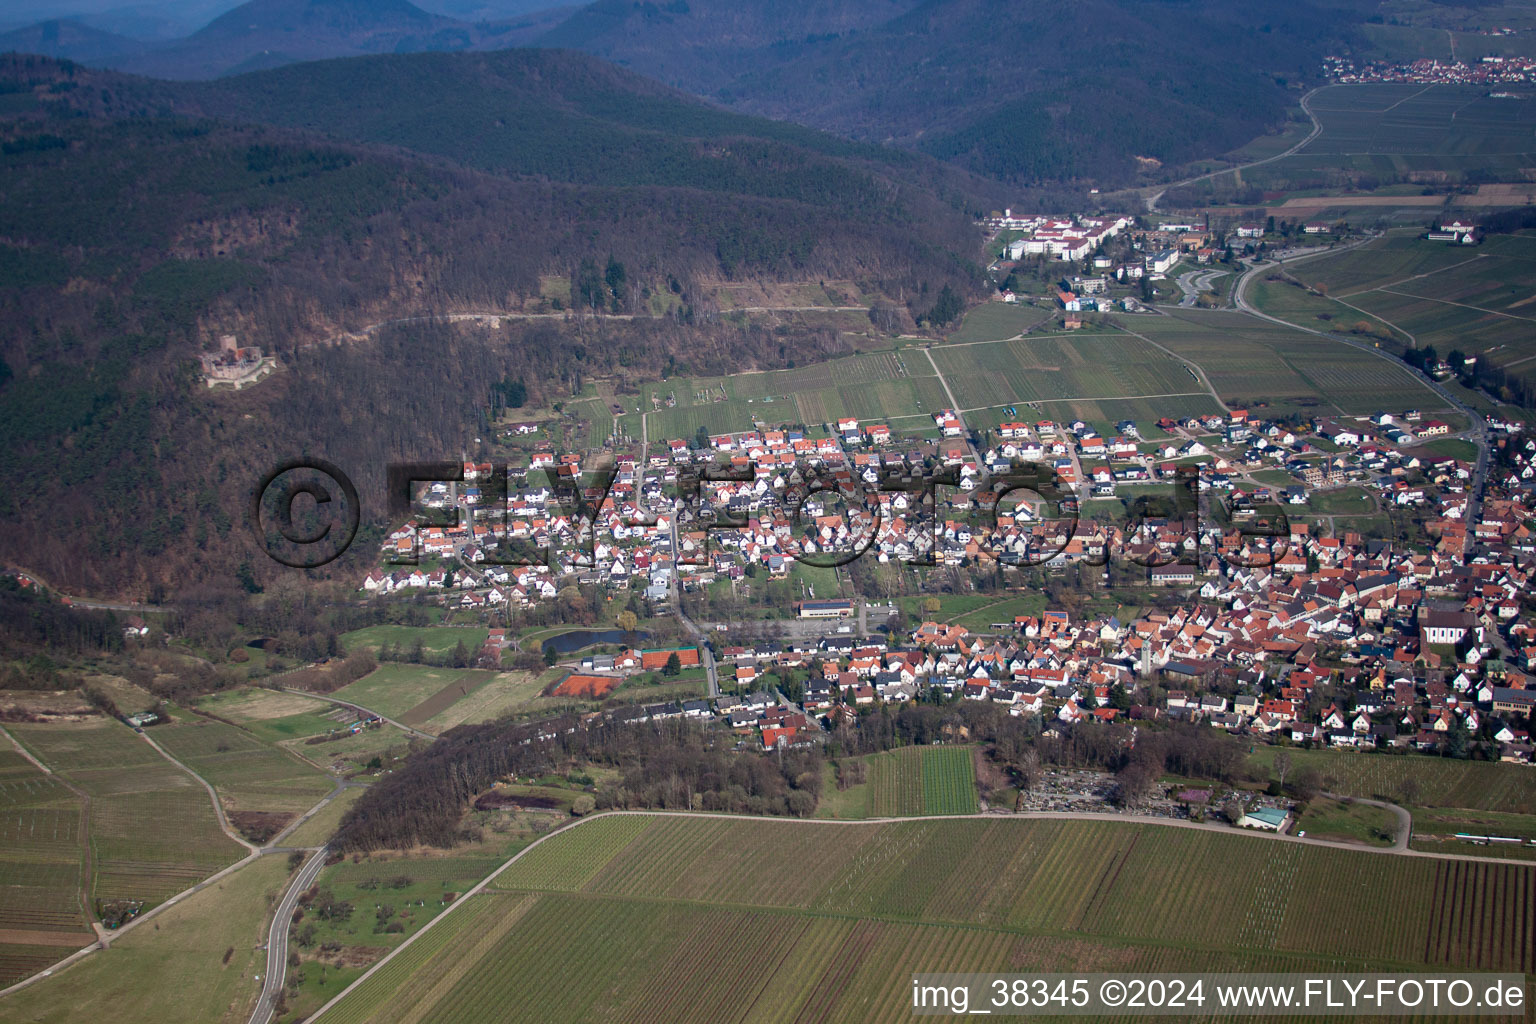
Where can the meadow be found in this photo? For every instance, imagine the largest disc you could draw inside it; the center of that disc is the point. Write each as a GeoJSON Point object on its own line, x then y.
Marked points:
{"type": "Point", "coordinates": [396, 690]}
{"type": "Point", "coordinates": [998, 321]}
{"type": "Point", "coordinates": [1414, 779]}
{"type": "Point", "coordinates": [701, 918]}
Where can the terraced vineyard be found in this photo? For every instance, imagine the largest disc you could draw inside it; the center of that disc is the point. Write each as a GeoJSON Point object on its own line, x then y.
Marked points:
{"type": "Point", "coordinates": [697, 918]}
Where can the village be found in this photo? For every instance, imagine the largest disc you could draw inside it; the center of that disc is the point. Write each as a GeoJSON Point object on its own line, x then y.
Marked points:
{"type": "Point", "coordinates": [1493, 69]}
{"type": "Point", "coordinates": [1409, 639]}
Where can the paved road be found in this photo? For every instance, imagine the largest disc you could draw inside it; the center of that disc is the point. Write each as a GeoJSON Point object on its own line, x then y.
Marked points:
{"type": "Point", "coordinates": [277, 938]}
{"type": "Point", "coordinates": [89, 602]}
{"type": "Point", "coordinates": [1196, 281]}
{"type": "Point", "coordinates": [1317, 129]}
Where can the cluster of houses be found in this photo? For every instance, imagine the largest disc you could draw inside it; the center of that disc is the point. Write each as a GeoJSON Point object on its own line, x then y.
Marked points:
{"type": "Point", "coordinates": [693, 515]}
{"type": "Point", "coordinates": [1493, 69]}
{"type": "Point", "coordinates": [1374, 648]}
{"type": "Point", "coordinates": [1060, 237]}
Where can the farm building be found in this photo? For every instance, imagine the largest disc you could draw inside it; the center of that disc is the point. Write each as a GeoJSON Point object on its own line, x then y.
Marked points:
{"type": "Point", "coordinates": [1272, 819]}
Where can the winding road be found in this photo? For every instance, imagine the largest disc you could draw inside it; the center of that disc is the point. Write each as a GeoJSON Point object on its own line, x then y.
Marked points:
{"type": "Point", "coordinates": [1317, 129]}
{"type": "Point", "coordinates": [277, 938]}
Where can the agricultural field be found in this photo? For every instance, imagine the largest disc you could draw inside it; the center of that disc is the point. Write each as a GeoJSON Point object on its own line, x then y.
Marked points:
{"type": "Point", "coordinates": [686, 918]}
{"type": "Point", "coordinates": [1077, 367]}
{"type": "Point", "coordinates": [437, 640]}
{"type": "Point", "coordinates": [196, 963]}
{"type": "Point", "coordinates": [1263, 366]}
{"type": "Point", "coordinates": [876, 386]}
{"type": "Point", "coordinates": [1479, 299]}
{"type": "Point", "coordinates": [1413, 779]}
{"type": "Point", "coordinates": [272, 715]}
{"type": "Point", "coordinates": [249, 775]}
{"type": "Point", "coordinates": [911, 781]}
{"type": "Point", "coordinates": [42, 917]}
{"type": "Point", "coordinates": [411, 693]}
{"type": "Point", "coordinates": [500, 694]}
{"type": "Point", "coordinates": [152, 828]}
{"type": "Point", "coordinates": [1391, 130]}
{"type": "Point", "coordinates": [999, 321]}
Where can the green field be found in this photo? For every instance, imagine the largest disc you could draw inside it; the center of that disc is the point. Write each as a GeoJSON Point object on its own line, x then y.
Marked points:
{"type": "Point", "coordinates": [398, 690]}
{"type": "Point", "coordinates": [701, 919]}
{"type": "Point", "coordinates": [196, 963]}
{"type": "Point", "coordinates": [1342, 501]}
{"type": "Point", "coordinates": [1266, 367]}
{"type": "Point", "coordinates": [1391, 131]}
{"type": "Point", "coordinates": [1481, 300]}
{"type": "Point", "coordinates": [1431, 781]}
{"type": "Point", "coordinates": [271, 715]}
{"type": "Point", "coordinates": [907, 782]}
{"type": "Point", "coordinates": [152, 828]}
{"type": "Point", "coordinates": [1368, 824]}
{"type": "Point", "coordinates": [434, 639]}
{"type": "Point", "coordinates": [1077, 367]}
{"type": "Point", "coordinates": [248, 774]}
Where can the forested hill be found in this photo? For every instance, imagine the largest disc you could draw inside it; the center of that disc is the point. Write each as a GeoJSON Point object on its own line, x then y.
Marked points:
{"type": "Point", "coordinates": [1031, 90]}
{"type": "Point", "coordinates": [270, 33]}
{"type": "Point", "coordinates": [567, 117]}
{"type": "Point", "coordinates": [131, 237]}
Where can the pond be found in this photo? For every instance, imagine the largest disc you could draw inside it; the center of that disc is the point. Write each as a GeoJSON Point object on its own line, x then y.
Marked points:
{"type": "Point", "coordinates": [576, 639]}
